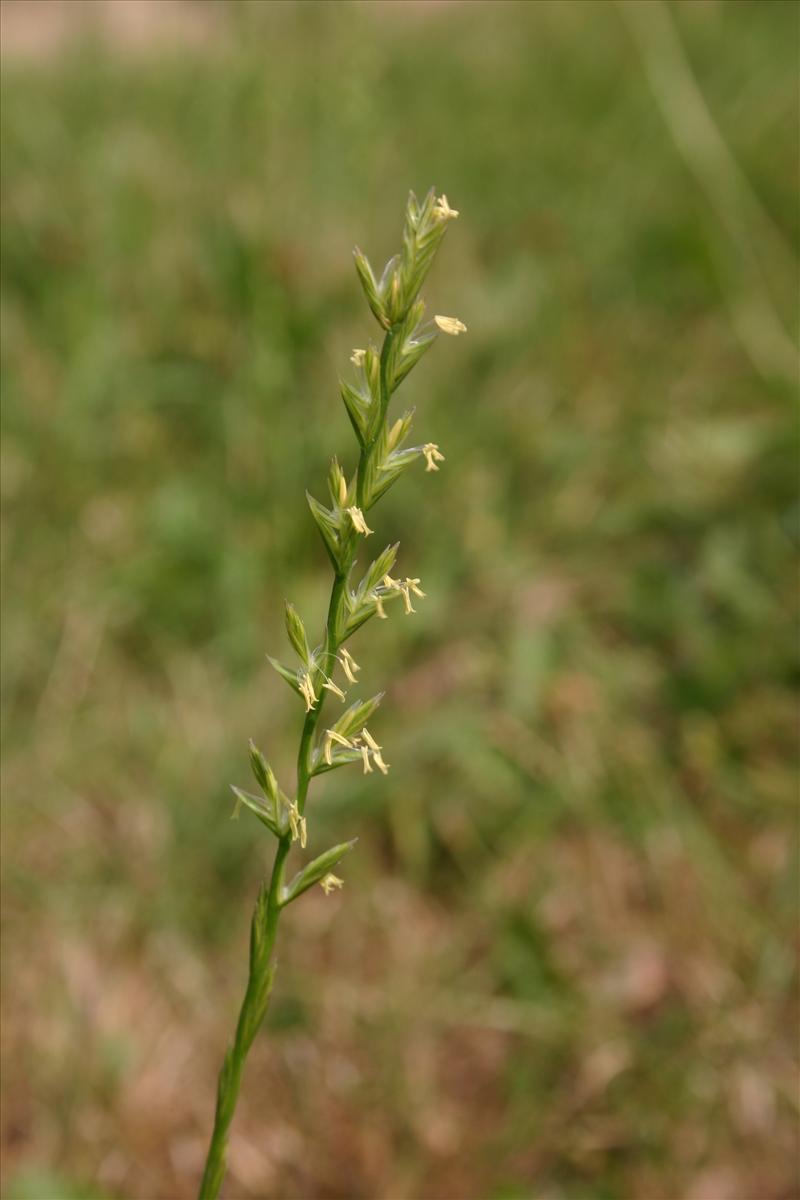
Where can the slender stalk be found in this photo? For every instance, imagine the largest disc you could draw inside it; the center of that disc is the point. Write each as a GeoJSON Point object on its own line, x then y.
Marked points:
{"type": "Point", "coordinates": [254, 1005]}
{"type": "Point", "coordinates": [367, 452]}
{"type": "Point", "coordinates": [312, 718]}
{"type": "Point", "coordinates": [394, 302]}
{"type": "Point", "coordinates": [259, 983]}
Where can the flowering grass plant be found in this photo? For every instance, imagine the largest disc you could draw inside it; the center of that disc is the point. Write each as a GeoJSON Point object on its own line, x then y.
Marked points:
{"type": "Point", "coordinates": [329, 666]}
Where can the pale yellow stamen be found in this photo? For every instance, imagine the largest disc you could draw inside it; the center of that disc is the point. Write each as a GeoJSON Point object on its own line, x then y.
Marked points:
{"type": "Point", "coordinates": [432, 456]}
{"type": "Point", "coordinates": [359, 524]}
{"type": "Point", "coordinates": [369, 739]}
{"type": "Point", "coordinates": [366, 744]}
{"type": "Point", "coordinates": [297, 824]}
{"type": "Point", "coordinates": [329, 882]}
{"type": "Point", "coordinates": [332, 736]}
{"type": "Point", "coordinates": [357, 357]}
{"type": "Point", "coordinates": [442, 209]}
{"type": "Point", "coordinates": [342, 491]}
{"type": "Point", "coordinates": [380, 610]}
{"type": "Point", "coordinates": [451, 325]}
{"type": "Point", "coordinates": [340, 739]}
{"type": "Point", "coordinates": [307, 691]}
{"type": "Point", "coordinates": [372, 745]}
{"type": "Point", "coordinates": [406, 587]}
{"type": "Point", "coordinates": [365, 759]}
{"type": "Point", "coordinates": [349, 665]}
{"type": "Point", "coordinates": [334, 687]}
{"type": "Point", "coordinates": [379, 763]}
{"type": "Point", "coordinates": [348, 670]}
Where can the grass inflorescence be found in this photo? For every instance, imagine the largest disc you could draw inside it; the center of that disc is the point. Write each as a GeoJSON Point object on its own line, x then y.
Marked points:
{"type": "Point", "coordinates": [329, 667]}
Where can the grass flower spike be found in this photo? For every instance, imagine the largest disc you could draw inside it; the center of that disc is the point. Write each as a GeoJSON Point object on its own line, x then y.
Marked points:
{"type": "Point", "coordinates": [382, 457]}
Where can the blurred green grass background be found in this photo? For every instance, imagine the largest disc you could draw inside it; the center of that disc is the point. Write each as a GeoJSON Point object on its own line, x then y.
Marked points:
{"type": "Point", "coordinates": [562, 966]}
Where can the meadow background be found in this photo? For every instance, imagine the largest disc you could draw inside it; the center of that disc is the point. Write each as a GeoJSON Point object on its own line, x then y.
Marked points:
{"type": "Point", "coordinates": [562, 967]}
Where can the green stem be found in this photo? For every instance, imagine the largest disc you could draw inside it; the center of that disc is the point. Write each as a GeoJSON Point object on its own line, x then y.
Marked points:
{"type": "Point", "coordinates": [369, 449]}
{"type": "Point", "coordinates": [268, 906]}
{"type": "Point", "coordinates": [312, 717]}
{"type": "Point", "coordinates": [254, 1005]}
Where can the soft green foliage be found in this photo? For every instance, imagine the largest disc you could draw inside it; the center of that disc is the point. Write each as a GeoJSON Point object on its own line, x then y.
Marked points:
{"type": "Point", "coordinates": [561, 962]}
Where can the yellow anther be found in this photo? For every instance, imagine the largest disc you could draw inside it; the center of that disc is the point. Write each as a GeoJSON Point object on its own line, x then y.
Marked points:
{"type": "Point", "coordinates": [349, 665]}
{"type": "Point", "coordinates": [297, 824]}
{"type": "Point", "coordinates": [330, 882]}
{"type": "Point", "coordinates": [451, 325]}
{"type": "Point", "coordinates": [379, 763]}
{"type": "Point", "coordinates": [370, 746]}
{"type": "Point", "coordinates": [443, 211]}
{"type": "Point", "coordinates": [359, 524]}
{"type": "Point", "coordinates": [432, 456]}
{"type": "Point", "coordinates": [357, 357]}
{"type": "Point", "coordinates": [334, 687]}
{"type": "Point", "coordinates": [307, 691]}
{"type": "Point", "coordinates": [332, 736]}
{"type": "Point", "coordinates": [369, 739]}
{"type": "Point", "coordinates": [365, 759]}
{"type": "Point", "coordinates": [406, 587]}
